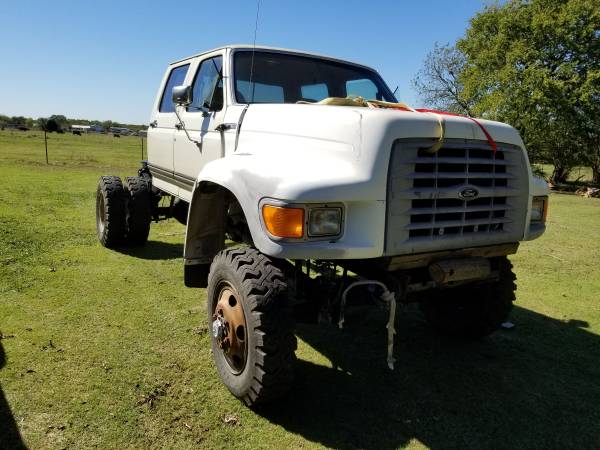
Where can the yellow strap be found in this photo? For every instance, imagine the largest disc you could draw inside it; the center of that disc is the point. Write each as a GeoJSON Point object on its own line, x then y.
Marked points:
{"type": "Point", "coordinates": [442, 124]}
{"type": "Point", "coordinates": [344, 101]}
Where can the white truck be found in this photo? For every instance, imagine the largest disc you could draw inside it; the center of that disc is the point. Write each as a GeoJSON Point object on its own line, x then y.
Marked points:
{"type": "Point", "coordinates": [299, 177]}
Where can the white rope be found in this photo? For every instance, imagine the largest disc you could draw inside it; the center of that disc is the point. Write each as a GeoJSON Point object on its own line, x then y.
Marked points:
{"type": "Point", "coordinates": [389, 298]}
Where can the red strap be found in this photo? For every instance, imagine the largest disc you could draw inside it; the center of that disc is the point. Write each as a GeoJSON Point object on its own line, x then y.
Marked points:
{"type": "Point", "coordinates": [487, 135]}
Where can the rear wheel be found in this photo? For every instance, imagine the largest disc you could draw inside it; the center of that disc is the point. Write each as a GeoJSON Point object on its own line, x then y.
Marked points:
{"type": "Point", "coordinates": [473, 311]}
{"type": "Point", "coordinates": [139, 211]}
{"type": "Point", "coordinates": [110, 211]}
{"type": "Point", "coordinates": [252, 331]}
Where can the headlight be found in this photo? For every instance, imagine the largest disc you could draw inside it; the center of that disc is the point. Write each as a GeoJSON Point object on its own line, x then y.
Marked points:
{"type": "Point", "coordinates": [539, 209]}
{"type": "Point", "coordinates": [324, 221]}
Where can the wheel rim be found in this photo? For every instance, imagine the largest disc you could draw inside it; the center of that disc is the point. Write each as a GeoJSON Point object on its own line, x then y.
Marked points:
{"type": "Point", "coordinates": [100, 219]}
{"type": "Point", "coordinates": [229, 328]}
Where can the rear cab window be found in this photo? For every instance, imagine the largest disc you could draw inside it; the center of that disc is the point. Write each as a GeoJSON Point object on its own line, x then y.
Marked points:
{"type": "Point", "coordinates": [361, 88]}
{"type": "Point", "coordinates": [260, 92]}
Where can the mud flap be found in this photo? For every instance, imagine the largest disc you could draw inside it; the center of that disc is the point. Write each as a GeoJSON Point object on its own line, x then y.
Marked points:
{"type": "Point", "coordinates": [196, 275]}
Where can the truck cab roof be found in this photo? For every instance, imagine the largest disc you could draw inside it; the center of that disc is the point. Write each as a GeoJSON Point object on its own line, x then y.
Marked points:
{"type": "Point", "coordinates": [270, 49]}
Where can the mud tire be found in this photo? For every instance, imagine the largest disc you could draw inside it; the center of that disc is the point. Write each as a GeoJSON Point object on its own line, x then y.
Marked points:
{"type": "Point", "coordinates": [271, 343]}
{"type": "Point", "coordinates": [110, 211]}
{"type": "Point", "coordinates": [139, 210]}
{"type": "Point", "coordinates": [473, 312]}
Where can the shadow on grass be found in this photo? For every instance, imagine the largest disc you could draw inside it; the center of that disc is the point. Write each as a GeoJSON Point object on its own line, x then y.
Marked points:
{"type": "Point", "coordinates": [154, 250]}
{"type": "Point", "coordinates": [536, 386]}
{"type": "Point", "coordinates": [9, 433]}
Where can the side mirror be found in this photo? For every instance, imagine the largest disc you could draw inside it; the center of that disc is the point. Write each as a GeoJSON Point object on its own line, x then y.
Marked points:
{"type": "Point", "coordinates": [182, 95]}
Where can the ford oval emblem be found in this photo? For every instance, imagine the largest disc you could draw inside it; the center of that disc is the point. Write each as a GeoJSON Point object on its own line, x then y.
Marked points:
{"type": "Point", "coordinates": [468, 193]}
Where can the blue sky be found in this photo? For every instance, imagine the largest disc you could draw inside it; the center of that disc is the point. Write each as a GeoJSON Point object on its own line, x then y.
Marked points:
{"type": "Point", "coordinates": [104, 60]}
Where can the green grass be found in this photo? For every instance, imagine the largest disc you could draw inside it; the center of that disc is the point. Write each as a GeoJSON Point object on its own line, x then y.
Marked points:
{"type": "Point", "coordinates": [108, 349]}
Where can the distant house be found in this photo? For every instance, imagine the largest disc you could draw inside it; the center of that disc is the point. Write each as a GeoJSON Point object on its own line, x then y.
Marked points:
{"type": "Point", "coordinates": [93, 128]}
{"type": "Point", "coordinates": [80, 128]}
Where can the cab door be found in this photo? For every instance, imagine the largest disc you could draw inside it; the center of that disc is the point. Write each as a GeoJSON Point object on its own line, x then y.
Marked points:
{"type": "Point", "coordinates": [202, 120]}
{"type": "Point", "coordinates": [162, 128]}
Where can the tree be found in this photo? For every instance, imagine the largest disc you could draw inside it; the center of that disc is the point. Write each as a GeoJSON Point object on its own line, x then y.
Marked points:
{"type": "Point", "coordinates": [438, 83]}
{"type": "Point", "coordinates": [51, 125]}
{"type": "Point", "coordinates": [18, 120]}
{"type": "Point", "coordinates": [4, 120]}
{"type": "Point", "coordinates": [60, 120]}
{"type": "Point", "coordinates": [536, 64]}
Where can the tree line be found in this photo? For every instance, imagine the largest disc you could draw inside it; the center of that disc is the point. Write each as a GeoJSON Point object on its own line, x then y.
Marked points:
{"type": "Point", "coordinates": [534, 64]}
{"type": "Point", "coordinates": [58, 123]}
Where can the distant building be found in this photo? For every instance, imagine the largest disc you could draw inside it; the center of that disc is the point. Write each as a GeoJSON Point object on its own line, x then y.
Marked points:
{"type": "Point", "coordinates": [93, 128]}
{"type": "Point", "coordinates": [80, 128]}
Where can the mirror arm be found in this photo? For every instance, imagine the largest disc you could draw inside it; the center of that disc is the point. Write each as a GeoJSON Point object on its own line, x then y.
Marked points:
{"type": "Point", "coordinates": [205, 112]}
{"type": "Point", "coordinates": [182, 127]}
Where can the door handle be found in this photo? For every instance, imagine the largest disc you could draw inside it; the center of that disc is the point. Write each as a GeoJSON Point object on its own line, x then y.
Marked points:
{"type": "Point", "coordinates": [226, 126]}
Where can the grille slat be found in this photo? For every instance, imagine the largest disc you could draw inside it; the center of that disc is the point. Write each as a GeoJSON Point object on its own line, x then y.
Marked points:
{"type": "Point", "coordinates": [427, 175]}
{"type": "Point", "coordinates": [497, 162]}
{"type": "Point", "coordinates": [455, 223]}
{"type": "Point", "coordinates": [451, 192]}
{"type": "Point", "coordinates": [458, 209]}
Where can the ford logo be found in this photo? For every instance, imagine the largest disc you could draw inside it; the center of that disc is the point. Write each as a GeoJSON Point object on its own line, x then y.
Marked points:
{"type": "Point", "coordinates": [468, 193]}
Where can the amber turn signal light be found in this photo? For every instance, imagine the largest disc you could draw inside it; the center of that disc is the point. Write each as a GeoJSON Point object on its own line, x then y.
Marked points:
{"type": "Point", "coordinates": [284, 222]}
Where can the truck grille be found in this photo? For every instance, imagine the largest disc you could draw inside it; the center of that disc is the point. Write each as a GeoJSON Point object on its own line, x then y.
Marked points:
{"type": "Point", "coordinates": [465, 192]}
{"type": "Point", "coordinates": [456, 167]}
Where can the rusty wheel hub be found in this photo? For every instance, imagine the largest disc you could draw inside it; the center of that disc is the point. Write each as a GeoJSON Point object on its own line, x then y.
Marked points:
{"type": "Point", "coordinates": [229, 328]}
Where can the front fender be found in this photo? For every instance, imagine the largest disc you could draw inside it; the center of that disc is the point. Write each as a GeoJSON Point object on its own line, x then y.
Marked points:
{"type": "Point", "coordinates": [321, 172]}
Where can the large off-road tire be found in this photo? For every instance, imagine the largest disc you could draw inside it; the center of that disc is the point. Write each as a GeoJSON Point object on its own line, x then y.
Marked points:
{"type": "Point", "coordinates": [473, 311]}
{"type": "Point", "coordinates": [139, 210]}
{"type": "Point", "coordinates": [251, 326]}
{"type": "Point", "coordinates": [110, 211]}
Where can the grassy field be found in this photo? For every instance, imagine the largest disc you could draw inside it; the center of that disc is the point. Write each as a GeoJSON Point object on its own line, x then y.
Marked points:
{"type": "Point", "coordinates": [108, 349]}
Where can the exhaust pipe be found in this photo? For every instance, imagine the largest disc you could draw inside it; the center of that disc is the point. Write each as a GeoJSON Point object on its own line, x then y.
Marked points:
{"type": "Point", "coordinates": [464, 269]}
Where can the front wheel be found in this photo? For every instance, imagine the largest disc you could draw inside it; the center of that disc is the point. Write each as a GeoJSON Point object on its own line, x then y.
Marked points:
{"type": "Point", "coordinates": [252, 330]}
{"type": "Point", "coordinates": [473, 311]}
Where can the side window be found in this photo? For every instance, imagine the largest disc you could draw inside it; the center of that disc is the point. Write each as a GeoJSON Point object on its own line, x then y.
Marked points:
{"type": "Point", "coordinates": [208, 85]}
{"type": "Point", "coordinates": [363, 88]}
{"type": "Point", "coordinates": [315, 92]}
{"type": "Point", "coordinates": [176, 78]}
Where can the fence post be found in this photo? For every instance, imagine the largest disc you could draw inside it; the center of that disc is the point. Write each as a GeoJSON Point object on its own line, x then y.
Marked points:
{"type": "Point", "coordinates": [46, 145]}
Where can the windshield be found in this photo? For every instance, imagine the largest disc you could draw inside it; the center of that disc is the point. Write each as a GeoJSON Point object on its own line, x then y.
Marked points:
{"type": "Point", "coordinates": [287, 78]}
